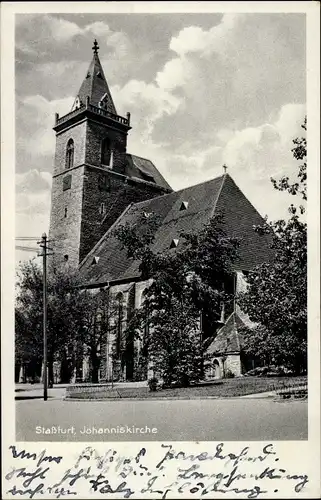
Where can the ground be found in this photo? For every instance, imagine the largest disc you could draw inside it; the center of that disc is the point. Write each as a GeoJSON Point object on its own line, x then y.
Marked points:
{"type": "Point", "coordinates": [232, 419]}
{"type": "Point", "coordinates": [229, 387]}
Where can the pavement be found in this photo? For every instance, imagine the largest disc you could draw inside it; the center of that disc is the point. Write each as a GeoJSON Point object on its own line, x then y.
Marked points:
{"type": "Point", "coordinates": [35, 391]}
{"type": "Point", "coordinates": [248, 418]}
{"type": "Point", "coordinates": [189, 420]}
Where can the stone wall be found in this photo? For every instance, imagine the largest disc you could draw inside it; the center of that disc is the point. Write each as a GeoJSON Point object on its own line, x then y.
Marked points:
{"type": "Point", "coordinates": [78, 134]}
{"type": "Point", "coordinates": [95, 134]}
{"type": "Point", "coordinates": [116, 192]}
{"type": "Point", "coordinates": [217, 366]}
{"type": "Point", "coordinates": [66, 215]}
{"type": "Point", "coordinates": [233, 363]}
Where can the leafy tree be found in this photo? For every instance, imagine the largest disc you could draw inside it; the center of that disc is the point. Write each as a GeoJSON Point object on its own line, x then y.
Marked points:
{"type": "Point", "coordinates": [76, 321]}
{"type": "Point", "coordinates": [300, 185]}
{"type": "Point", "coordinates": [276, 298]}
{"type": "Point", "coordinates": [184, 283]}
{"type": "Point", "coordinates": [94, 326]}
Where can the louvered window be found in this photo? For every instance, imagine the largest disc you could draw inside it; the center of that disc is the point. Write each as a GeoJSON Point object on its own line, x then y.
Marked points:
{"type": "Point", "coordinates": [106, 152]}
{"type": "Point", "coordinates": [70, 154]}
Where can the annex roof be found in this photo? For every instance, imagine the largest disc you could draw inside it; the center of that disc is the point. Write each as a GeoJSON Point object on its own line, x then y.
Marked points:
{"type": "Point", "coordinates": [144, 169]}
{"type": "Point", "coordinates": [228, 338]}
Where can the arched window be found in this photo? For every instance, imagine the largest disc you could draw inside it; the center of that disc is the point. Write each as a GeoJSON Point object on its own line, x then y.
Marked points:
{"type": "Point", "coordinates": [106, 152]}
{"type": "Point", "coordinates": [70, 154]}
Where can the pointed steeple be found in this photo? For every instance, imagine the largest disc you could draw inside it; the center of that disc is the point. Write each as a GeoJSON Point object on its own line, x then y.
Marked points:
{"type": "Point", "coordinates": [95, 86]}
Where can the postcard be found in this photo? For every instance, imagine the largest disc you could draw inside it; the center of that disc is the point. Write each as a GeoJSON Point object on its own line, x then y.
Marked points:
{"type": "Point", "coordinates": [160, 250]}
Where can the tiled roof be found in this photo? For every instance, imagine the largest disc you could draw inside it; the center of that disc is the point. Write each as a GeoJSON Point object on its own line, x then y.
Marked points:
{"type": "Point", "coordinates": [144, 169]}
{"type": "Point", "coordinates": [228, 338]}
{"type": "Point", "coordinates": [203, 200]}
{"type": "Point", "coordinates": [95, 86]}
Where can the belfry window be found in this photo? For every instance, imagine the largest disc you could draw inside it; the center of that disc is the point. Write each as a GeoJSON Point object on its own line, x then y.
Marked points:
{"type": "Point", "coordinates": [103, 103]}
{"type": "Point", "coordinates": [106, 152]}
{"type": "Point", "coordinates": [70, 154]}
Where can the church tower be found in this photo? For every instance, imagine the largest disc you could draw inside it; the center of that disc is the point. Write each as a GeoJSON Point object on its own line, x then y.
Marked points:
{"type": "Point", "coordinates": [94, 179]}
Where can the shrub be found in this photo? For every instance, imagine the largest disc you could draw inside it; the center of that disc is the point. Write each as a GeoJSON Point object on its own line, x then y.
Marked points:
{"type": "Point", "coordinates": [229, 374]}
{"type": "Point", "coordinates": [152, 383]}
{"type": "Point", "coordinates": [268, 371]}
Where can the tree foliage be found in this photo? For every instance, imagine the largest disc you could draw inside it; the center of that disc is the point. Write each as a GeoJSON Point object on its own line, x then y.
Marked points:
{"type": "Point", "coordinates": [276, 298]}
{"type": "Point", "coordinates": [299, 186]}
{"type": "Point", "coordinates": [75, 320]}
{"type": "Point", "coordinates": [184, 282]}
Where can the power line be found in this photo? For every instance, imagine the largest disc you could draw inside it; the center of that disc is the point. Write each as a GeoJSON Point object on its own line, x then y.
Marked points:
{"type": "Point", "coordinates": [27, 238]}
{"type": "Point", "coordinates": [26, 249]}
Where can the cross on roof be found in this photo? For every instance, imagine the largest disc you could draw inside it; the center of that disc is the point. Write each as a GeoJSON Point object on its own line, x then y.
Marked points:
{"type": "Point", "coordinates": [95, 47]}
{"type": "Point", "coordinates": [225, 168]}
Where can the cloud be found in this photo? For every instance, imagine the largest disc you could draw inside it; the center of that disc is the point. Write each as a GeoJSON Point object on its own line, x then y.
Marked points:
{"type": "Point", "coordinates": [34, 181]}
{"type": "Point", "coordinates": [252, 154]}
{"type": "Point", "coordinates": [38, 34]}
{"type": "Point", "coordinates": [36, 113]}
{"type": "Point", "coordinates": [147, 102]}
{"type": "Point", "coordinates": [174, 74]}
{"type": "Point", "coordinates": [239, 71]}
{"type": "Point", "coordinates": [195, 39]}
{"type": "Point", "coordinates": [33, 193]}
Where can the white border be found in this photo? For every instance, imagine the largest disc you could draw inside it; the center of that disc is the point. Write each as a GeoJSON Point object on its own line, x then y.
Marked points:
{"type": "Point", "coordinates": [295, 453]}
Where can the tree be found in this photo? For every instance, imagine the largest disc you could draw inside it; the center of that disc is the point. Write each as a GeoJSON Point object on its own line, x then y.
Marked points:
{"type": "Point", "coordinates": [62, 314]}
{"type": "Point", "coordinates": [300, 185]}
{"type": "Point", "coordinates": [76, 320]}
{"type": "Point", "coordinates": [184, 285]}
{"type": "Point", "coordinates": [276, 298]}
{"type": "Point", "coordinates": [94, 327]}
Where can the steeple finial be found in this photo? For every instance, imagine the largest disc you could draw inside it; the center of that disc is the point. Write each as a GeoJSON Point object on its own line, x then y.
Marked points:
{"type": "Point", "coordinates": [224, 168]}
{"type": "Point", "coordinates": [95, 47]}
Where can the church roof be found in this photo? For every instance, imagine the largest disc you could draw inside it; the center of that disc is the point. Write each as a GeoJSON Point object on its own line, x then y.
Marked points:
{"type": "Point", "coordinates": [95, 85]}
{"type": "Point", "coordinates": [144, 169]}
{"type": "Point", "coordinates": [187, 210]}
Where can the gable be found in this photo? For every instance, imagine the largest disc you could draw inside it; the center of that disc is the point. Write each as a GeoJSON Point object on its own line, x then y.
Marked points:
{"type": "Point", "coordinates": [240, 217]}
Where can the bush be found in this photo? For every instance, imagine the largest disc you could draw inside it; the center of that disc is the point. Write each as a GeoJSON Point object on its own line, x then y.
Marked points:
{"type": "Point", "coordinates": [152, 383]}
{"type": "Point", "coordinates": [268, 371]}
{"type": "Point", "coordinates": [229, 374]}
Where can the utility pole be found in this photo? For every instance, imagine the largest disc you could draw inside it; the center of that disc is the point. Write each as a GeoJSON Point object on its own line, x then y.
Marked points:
{"type": "Point", "coordinates": [43, 243]}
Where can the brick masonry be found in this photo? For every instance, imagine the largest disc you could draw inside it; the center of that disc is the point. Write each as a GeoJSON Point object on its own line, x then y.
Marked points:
{"type": "Point", "coordinates": [102, 185]}
{"type": "Point", "coordinates": [78, 217]}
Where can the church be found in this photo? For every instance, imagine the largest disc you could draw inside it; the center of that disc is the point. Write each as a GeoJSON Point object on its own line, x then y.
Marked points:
{"type": "Point", "coordinates": [97, 186]}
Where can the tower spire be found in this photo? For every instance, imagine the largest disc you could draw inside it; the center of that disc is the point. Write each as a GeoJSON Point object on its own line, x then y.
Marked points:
{"type": "Point", "coordinates": [94, 86]}
{"type": "Point", "coordinates": [95, 47]}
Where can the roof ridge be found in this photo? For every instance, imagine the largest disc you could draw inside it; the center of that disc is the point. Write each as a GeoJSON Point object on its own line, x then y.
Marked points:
{"type": "Point", "coordinates": [218, 194]}
{"type": "Point", "coordinates": [181, 190]}
{"type": "Point", "coordinates": [142, 158]}
{"type": "Point", "coordinates": [199, 184]}
{"type": "Point", "coordinates": [239, 189]}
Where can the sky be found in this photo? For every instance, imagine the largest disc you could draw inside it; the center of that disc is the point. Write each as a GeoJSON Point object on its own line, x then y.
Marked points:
{"type": "Point", "coordinates": [203, 90]}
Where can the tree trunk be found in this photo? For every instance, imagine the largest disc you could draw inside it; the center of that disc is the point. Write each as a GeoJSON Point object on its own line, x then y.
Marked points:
{"type": "Point", "coordinates": [95, 364]}
{"type": "Point", "coordinates": [50, 371]}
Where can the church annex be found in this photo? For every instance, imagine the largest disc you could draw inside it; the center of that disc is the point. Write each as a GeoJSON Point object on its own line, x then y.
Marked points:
{"type": "Point", "coordinates": [98, 185]}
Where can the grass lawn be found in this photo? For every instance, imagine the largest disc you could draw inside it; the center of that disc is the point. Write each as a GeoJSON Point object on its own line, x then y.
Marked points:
{"type": "Point", "coordinates": [220, 388]}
